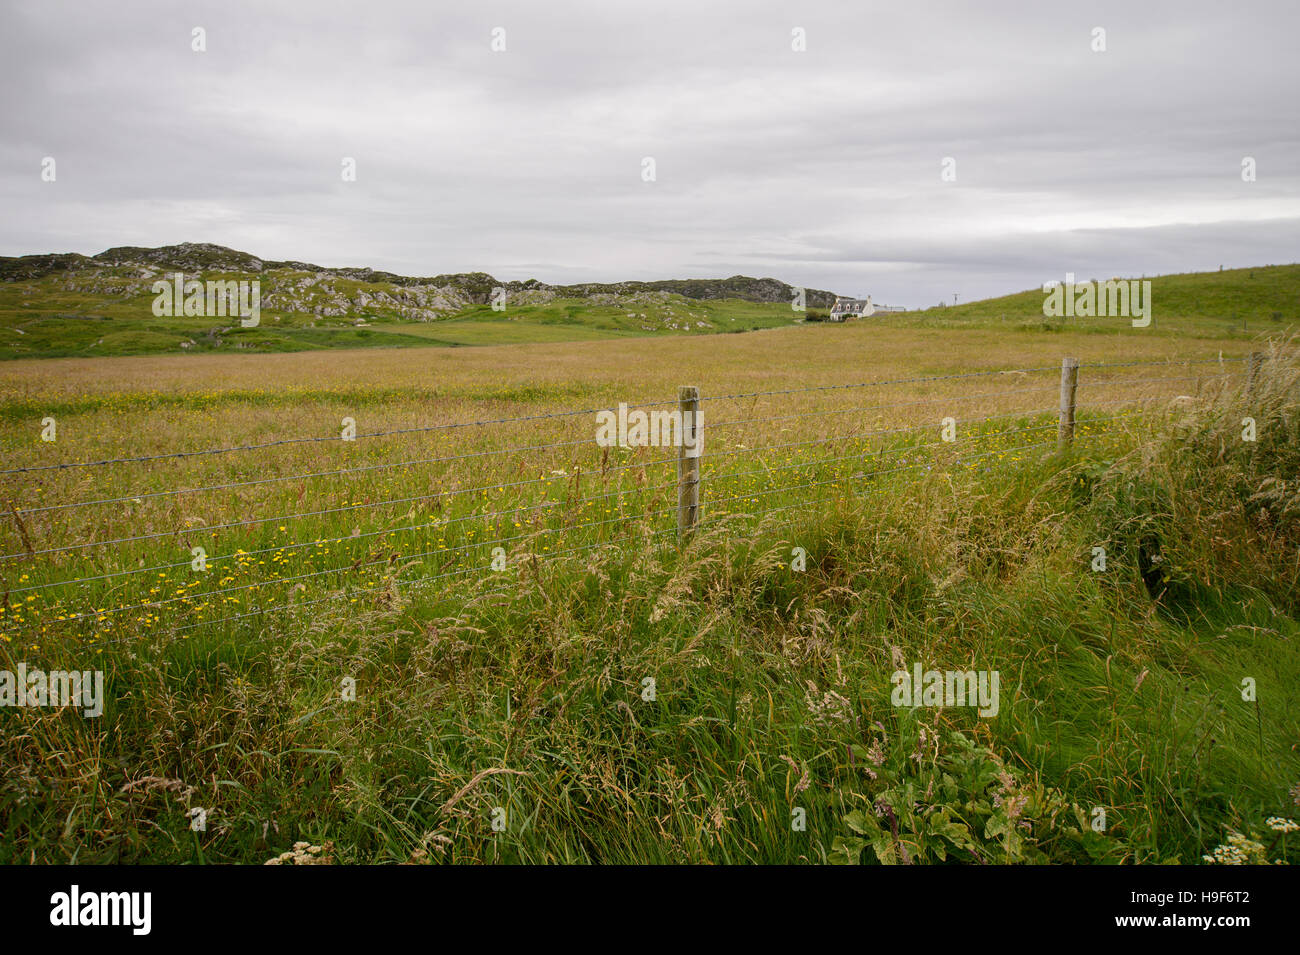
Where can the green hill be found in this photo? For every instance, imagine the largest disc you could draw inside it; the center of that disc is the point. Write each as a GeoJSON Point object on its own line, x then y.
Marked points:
{"type": "Point", "coordinates": [1233, 303]}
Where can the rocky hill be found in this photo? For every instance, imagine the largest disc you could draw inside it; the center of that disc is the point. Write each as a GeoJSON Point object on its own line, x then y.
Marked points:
{"type": "Point", "coordinates": [434, 294]}
{"type": "Point", "coordinates": [70, 305]}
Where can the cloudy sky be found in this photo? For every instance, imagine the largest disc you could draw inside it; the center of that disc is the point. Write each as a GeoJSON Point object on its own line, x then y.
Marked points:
{"type": "Point", "coordinates": [822, 167]}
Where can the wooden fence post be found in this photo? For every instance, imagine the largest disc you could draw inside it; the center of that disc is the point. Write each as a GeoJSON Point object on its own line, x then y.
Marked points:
{"type": "Point", "coordinates": [1252, 372]}
{"type": "Point", "coordinates": [688, 460]}
{"type": "Point", "coordinates": [1069, 382]}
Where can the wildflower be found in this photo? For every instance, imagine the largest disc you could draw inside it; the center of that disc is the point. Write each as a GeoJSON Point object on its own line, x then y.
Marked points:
{"type": "Point", "coordinates": [1239, 850]}
{"type": "Point", "coordinates": [304, 853]}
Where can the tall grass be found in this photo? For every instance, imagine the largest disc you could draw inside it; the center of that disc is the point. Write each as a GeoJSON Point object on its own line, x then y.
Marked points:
{"type": "Point", "coordinates": [509, 718]}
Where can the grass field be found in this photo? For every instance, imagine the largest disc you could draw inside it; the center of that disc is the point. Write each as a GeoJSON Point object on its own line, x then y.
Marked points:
{"type": "Point", "coordinates": [502, 715]}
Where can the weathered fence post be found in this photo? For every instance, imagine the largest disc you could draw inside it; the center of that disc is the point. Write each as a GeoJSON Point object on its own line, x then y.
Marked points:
{"type": "Point", "coordinates": [1069, 382]}
{"type": "Point", "coordinates": [688, 460]}
{"type": "Point", "coordinates": [1252, 372]}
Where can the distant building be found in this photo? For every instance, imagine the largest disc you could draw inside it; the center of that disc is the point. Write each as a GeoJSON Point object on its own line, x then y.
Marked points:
{"type": "Point", "coordinates": [846, 308]}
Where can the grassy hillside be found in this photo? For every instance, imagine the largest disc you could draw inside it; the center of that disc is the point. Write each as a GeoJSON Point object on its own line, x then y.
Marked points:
{"type": "Point", "coordinates": [1234, 303]}
{"type": "Point", "coordinates": [47, 319]}
{"type": "Point", "coordinates": [584, 320]}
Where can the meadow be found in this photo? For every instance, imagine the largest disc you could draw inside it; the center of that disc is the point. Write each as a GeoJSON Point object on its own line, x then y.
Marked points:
{"type": "Point", "coordinates": [502, 713]}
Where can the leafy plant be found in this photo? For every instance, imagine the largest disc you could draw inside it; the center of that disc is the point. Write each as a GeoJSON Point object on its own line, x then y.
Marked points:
{"type": "Point", "coordinates": [962, 804]}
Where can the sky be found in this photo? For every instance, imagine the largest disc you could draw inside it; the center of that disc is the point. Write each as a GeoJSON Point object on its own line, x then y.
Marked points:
{"type": "Point", "coordinates": [910, 151]}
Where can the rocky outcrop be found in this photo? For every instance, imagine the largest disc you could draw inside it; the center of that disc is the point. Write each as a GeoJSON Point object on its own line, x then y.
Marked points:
{"type": "Point", "coordinates": [439, 293]}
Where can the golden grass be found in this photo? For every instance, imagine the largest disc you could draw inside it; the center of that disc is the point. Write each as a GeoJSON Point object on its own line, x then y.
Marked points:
{"type": "Point", "coordinates": [386, 504]}
{"type": "Point", "coordinates": [776, 358]}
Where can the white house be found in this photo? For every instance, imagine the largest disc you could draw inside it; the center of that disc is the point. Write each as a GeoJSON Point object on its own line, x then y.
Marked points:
{"type": "Point", "coordinates": [845, 308]}
{"type": "Point", "coordinates": [851, 308]}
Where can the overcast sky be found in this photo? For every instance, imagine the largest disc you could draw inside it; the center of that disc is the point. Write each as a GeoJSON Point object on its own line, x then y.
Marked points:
{"type": "Point", "coordinates": [821, 168]}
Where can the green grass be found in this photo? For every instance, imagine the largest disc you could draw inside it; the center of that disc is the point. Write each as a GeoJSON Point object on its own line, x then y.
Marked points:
{"type": "Point", "coordinates": [1232, 304]}
{"type": "Point", "coordinates": [523, 692]}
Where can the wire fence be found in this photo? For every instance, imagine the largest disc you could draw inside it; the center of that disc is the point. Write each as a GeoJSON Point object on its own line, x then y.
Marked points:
{"type": "Point", "coordinates": [109, 548]}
